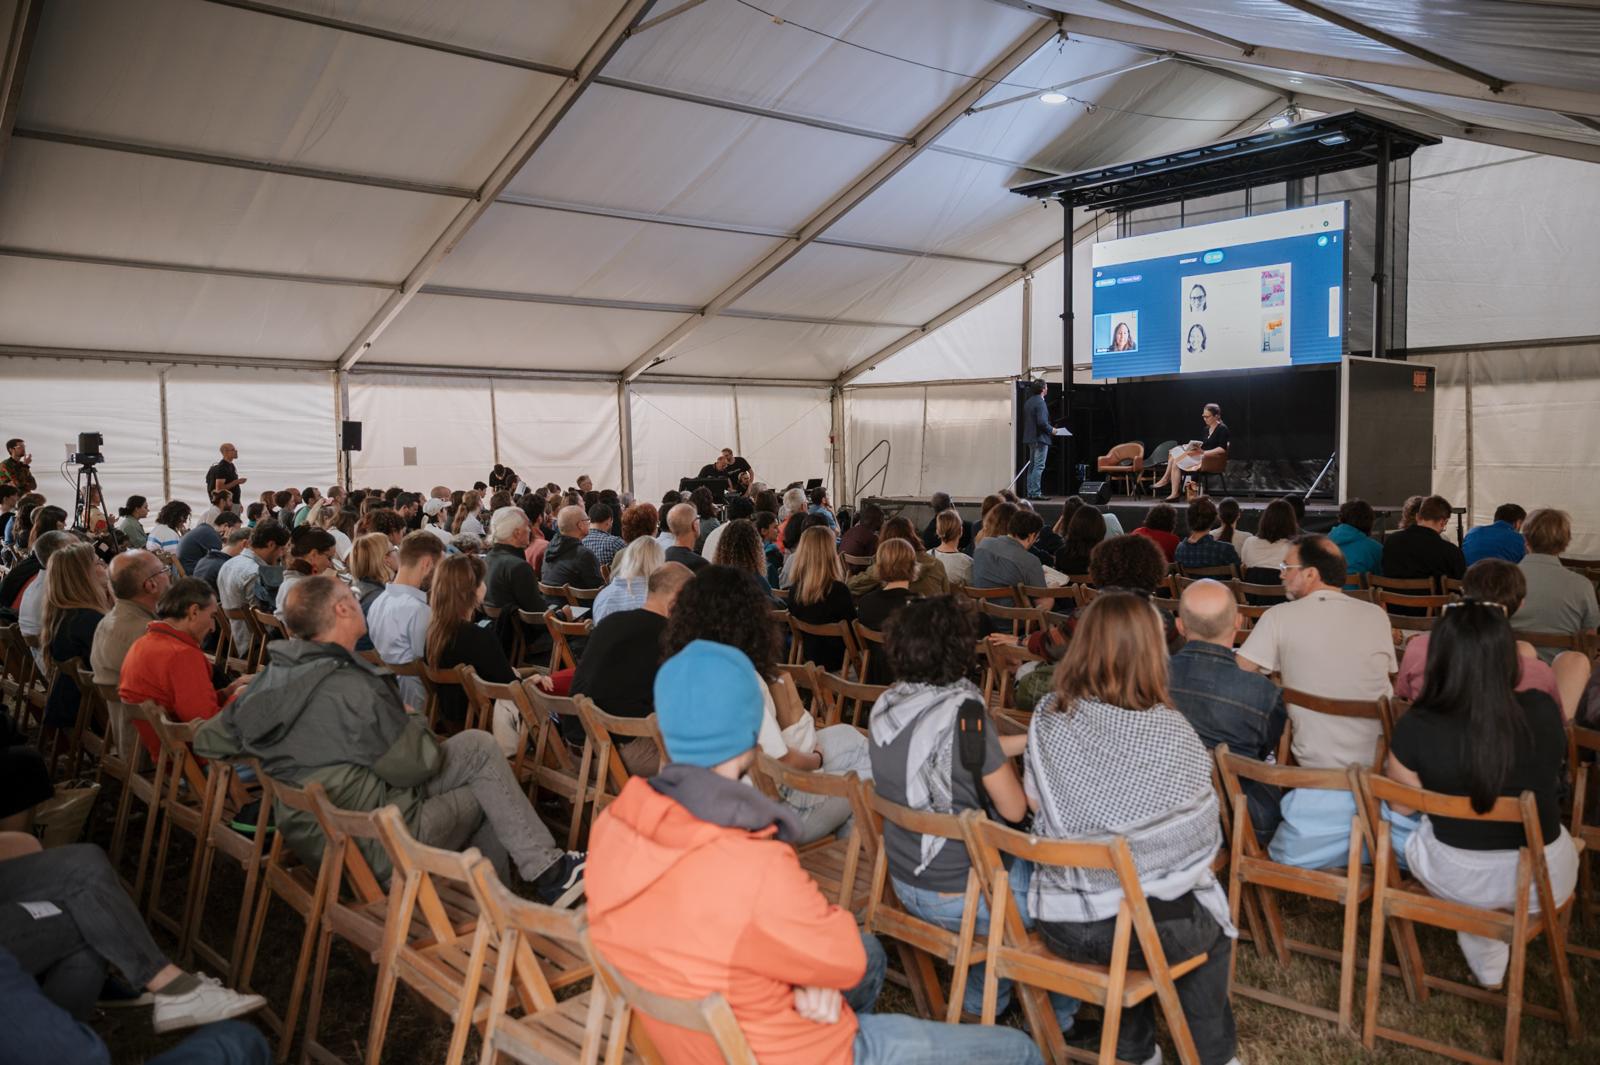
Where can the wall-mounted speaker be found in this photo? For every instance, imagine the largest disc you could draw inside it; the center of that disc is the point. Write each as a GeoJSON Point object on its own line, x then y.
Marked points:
{"type": "Point", "coordinates": [350, 436]}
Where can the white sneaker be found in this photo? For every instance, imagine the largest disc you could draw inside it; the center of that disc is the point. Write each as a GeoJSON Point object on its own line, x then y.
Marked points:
{"type": "Point", "coordinates": [207, 1003]}
{"type": "Point", "coordinates": [1155, 1059]}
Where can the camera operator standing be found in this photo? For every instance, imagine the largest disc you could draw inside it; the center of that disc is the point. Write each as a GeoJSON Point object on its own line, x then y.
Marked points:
{"type": "Point", "coordinates": [17, 467]}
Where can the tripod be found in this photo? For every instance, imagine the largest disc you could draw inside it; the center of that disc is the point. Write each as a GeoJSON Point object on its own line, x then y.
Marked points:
{"type": "Point", "coordinates": [87, 492]}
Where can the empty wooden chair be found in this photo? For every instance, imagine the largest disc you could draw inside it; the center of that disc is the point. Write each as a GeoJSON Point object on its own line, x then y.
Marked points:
{"type": "Point", "coordinates": [1395, 898]}
{"type": "Point", "coordinates": [1001, 662]}
{"type": "Point", "coordinates": [711, 1016]}
{"type": "Point", "coordinates": [610, 773]}
{"type": "Point", "coordinates": [185, 805]}
{"type": "Point", "coordinates": [1015, 953]}
{"type": "Point", "coordinates": [140, 776]}
{"type": "Point", "coordinates": [228, 835]}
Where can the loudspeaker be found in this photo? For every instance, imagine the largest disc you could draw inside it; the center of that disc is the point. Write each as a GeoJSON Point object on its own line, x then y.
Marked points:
{"type": "Point", "coordinates": [1096, 492]}
{"type": "Point", "coordinates": [350, 436]}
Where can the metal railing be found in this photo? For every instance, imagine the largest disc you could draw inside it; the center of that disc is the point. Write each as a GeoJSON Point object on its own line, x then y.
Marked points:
{"type": "Point", "coordinates": [881, 474]}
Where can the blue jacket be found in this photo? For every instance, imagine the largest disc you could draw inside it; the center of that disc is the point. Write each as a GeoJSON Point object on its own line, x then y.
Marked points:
{"type": "Point", "coordinates": [1035, 421]}
{"type": "Point", "coordinates": [1496, 540]}
{"type": "Point", "coordinates": [1362, 554]}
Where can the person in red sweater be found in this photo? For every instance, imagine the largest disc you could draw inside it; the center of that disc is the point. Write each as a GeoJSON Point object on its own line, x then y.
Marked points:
{"type": "Point", "coordinates": [166, 664]}
{"type": "Point", "coordinates": [1158, 528]}
{"type": "Point", "coordinates": [694, 888]}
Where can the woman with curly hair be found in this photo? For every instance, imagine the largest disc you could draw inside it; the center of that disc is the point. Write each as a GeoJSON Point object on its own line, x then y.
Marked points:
{"type": "Point", "coordinates": [725, 606]}
{"type": "Point", "coordinates": [740, 547]}
{"type": "Point", "coordinates": [639, 520]}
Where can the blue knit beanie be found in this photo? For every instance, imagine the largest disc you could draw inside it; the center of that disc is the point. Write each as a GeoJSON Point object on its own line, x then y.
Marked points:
{"type": "Point", "coordinates": [708, 703]}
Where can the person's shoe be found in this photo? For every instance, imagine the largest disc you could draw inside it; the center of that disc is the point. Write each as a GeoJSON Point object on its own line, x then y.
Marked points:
{"type": "Point", "coordinates": [1084, 1033]}
{"type": "Point", "coordinates": [1153, 1059]}
{"type": "Point", "coordinates": [119, 994]}
{"type": "Point", "coordinates": [562, 884]}
{"type": "Point", "coordinates": [205, 1003]}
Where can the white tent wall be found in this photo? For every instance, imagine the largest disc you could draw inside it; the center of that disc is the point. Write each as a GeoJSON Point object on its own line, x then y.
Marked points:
{"type": "Point", "coordinates": [951, 438]}
{"type": "Point", "coordinates": [448, 420]}
{"type": "Point", "coordinates": [983, 343]}
{"type": "Point", "coordinates": [784, 432]}
{"type": "Point", "coordinates": [676, 430]}
{"type": "Point", "coordinates": [558, 430]}
{"type": "Point", "coordinates": [283, 422]}
{"type": "Point", "coordinates": [50, 401]}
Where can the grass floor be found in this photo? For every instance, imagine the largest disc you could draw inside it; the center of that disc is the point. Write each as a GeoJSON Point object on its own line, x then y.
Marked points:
{"type": "Point", "coordinates": [1267, 1035]}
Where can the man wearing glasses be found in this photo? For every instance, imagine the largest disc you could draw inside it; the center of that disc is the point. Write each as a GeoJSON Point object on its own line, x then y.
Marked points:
{"type": "Point", "coordinates": [137, 580]}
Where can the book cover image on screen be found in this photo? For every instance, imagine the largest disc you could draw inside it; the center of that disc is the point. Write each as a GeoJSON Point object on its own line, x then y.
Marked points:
{"type": "Point", "coordinates": [1242, 294]}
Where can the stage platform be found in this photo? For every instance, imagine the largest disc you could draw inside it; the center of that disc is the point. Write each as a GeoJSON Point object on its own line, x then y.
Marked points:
{"type": "Point", "coordinates": [1320, 516]}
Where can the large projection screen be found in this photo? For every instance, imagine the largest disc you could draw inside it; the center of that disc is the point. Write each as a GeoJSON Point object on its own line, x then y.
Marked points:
{"type": "Point", "coordinates": [1244, 294]}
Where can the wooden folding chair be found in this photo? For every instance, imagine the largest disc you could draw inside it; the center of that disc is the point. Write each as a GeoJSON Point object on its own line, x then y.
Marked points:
{"type": "Point", "coordinates": [1259, 594]}
{"type": "Point", "coordinates": [303, 889]}
{"type": "Point", "coordinates": [710, 1016]}
{"type": "Point", "coordinates": [186, 800]}
{"type": "Point", "coordinates": [433, 941]}
{"type": "Point", "coordinates": [140, 776]}
{"type": "Point", "coordinates": [255, 652]}
{"type": "Point", "coordinates": [229, 798]}
{"type": "Point", "coordinates": [602, 729]}
{"type": "Point", "coordinates": [1428, 605]}
{"type": "Point", "coordinates": [433, 679]}
{"type": "Point", "coordinates": [842, 694]}
{"type": "Point", "coordinates": [1252, 870]}
{"type": "Point", "coordinates": [557, 592]}
{"type": "Point", "coordinates": [807, 680]}
{"type": "Point", "coordinates": [430, 695]}
{"type": "Point", "coordinates": [835, 864]}
{"type": "Point", "coordinates": [1035, 596]}
{"type": "Point", "coordinates": [979, 595]}
{"type": "Point", "coordinates": [1021, 620]}
{"type": "Point", "coordinates": [837, 630]}
{"type": "Point", "coordinates": [854, 564]}
{"type": "Point", "coordinates": [1366, 595]}
{"type": "Point", "coordinates": [1219, 573]}
{"type": "Point", "coordinates": [90, 730]}
{"type": "Point", "coordinates": [270, 629]}
{"type": "Point", "coordinates": [1001, 662]}
{"type": "Point", "coordinates": [543, 759]}
{"type": "Point", "coordinates": [583, 596]}
{"type": "Point", "coordinates": [1401, 899]}
{"type": "Point", "coordinates": [24, 679]}
{"type": "Point", "coordinates": [1402, 585]}
{"type": "Point", "coordinates": [918, 941]}
{"type": "Point", "coordinates": [1379, 710]}
{"type": "Point", "coordinates": [1404, 627]}
{"type": "Point", "coordinates": [870, 642]}
{"type": "Point", "coordinates": [539, 950]}
{"type": "Point", "coordinates": [1559, 641]}
{"type": "Point", "coordinates": [1583, 752]}
{"type": "Point", "coordinates": [561, 632]}
{"type": "Point", "coordinates": [357, 915]}
{"type": "Point", "coordinates": [1016, 954]}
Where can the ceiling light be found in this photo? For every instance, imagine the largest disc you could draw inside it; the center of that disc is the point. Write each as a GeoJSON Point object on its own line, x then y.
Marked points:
{"type": "Point", "coordinates": [1053, 98]}
{"type": "Point", "coordinates": [1297, 81]}
{"type": "Point", "coordinates": [1333, 139]}
{"type": "Point", "coordinates": [1278, 122]}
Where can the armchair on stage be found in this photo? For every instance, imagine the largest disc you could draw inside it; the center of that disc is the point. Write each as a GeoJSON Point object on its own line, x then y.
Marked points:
{"type": "Point", "coordinates": [1211, 466]}
{"type": "Point", "coordinates": [1125, 462]}
{"type": "Point", "coordinates": [1129, 464]}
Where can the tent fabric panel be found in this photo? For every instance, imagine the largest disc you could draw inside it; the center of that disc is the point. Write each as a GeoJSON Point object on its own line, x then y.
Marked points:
{"type": "Point", "coordinates": [556, 32]}
{"type": "Point", "coordinates": [49, 402]}
{"type": "Point", "coordinates": [1048, 297]}
{"type": "Point", "coordinates": [282, 422]}
{"type": "Point", "coordinates": [735, 53]}
{"type": "Point", "coordinates": [557, 430]}
{"type": "Point", "coordinates": [77, 305]}
{"type": "Point", "coordinates": [463, 331]}
{"type": "Point", "coordinates": [211, 78]}
{"type": "Point", "coordinates": [753, 348]}
{"type": "Point", "coordinates": [784, 432]}
{"type": "Point", "coordinates": [705, 163]}
{"type": "Point", "coordinates": [528, 249]}
{"type": "Point", "coordinates": [984, 342]}
{"type": "Point", "coordinates": [874, 415]}
{"type": "Point", "coordinates": [86, 201]}
{"type": "Point", "coordinates": [1540, 216]}
{"type": "Point", "coordinates": [834, 282]}
{"type": "Point", "coordinates": [446, 419]}
{"type": "Point", "coordinates": [966, 446]}
{"type": "Point", "coordinates": [1449, 427]}
{"type": "Point", "coordinates": [677, 429]}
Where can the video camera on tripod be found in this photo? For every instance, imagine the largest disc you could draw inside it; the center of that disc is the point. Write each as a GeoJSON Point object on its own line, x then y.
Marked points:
{"type": "Point", "coordinates": [89, 493]}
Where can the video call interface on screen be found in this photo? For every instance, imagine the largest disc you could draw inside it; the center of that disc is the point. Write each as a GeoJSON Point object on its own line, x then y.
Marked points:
{"type": "Point", "coordinates": [1235, 295]}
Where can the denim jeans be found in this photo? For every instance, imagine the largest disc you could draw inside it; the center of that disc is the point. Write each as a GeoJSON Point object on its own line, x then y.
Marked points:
{"type": "Point", "coordinates": [1040, 455]}
{"type": "Point", "coordinates": [1184, 929]}
{"type": "Point", "coordinates": [882, 1039]}
{"type": "Point", "coordinates": [222, 1043]}
{"type": "Point", "coordinates": [944, 910]}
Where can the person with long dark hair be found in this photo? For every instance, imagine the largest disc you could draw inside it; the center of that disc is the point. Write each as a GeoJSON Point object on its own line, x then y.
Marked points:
{"type": "Point", "coordinates": [1472, 733]}
{"type": "Point", "coordinates": [129, 521]}
{"type": "Point", "coordinates": [1084, 532]}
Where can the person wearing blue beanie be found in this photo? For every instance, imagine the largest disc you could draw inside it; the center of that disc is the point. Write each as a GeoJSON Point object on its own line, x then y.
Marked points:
{"type": "Point", "coordinates": [708, 704]}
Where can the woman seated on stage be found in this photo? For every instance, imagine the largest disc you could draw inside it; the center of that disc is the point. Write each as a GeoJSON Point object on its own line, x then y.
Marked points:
{"type": "Point", "coordinates": [1186, 458]}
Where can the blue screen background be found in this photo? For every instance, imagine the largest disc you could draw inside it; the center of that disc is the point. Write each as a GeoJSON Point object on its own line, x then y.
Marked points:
{"type": "Point", "coordinates": [1156, 296]}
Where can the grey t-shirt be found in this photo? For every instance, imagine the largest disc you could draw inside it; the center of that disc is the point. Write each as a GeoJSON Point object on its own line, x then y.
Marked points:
{"type": "Point", "coordinates": [948, 871]}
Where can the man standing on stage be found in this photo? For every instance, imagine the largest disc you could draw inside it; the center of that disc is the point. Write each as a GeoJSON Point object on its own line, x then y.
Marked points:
{"type": "Point", "coordinates": [222, 477]}
{"type": "Point", "coordinates": [16, 467]}
{"type": "Point", "coordinates": [1036, 435]}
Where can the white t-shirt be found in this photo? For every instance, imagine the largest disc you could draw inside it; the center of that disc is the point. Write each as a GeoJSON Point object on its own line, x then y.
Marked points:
{"type": "Point", "coordinates": [957, 566]}
{"type": "Point", "coordinates": [471, 526]}
{"type": "Point", "coordinates": [1256, 553]}
{"type": "Point", "coordinates": [1332, 645]}
{"type": "Point", "coordinates": [341, 544]}
{"type": "Point", "coordinates": [708, 550]}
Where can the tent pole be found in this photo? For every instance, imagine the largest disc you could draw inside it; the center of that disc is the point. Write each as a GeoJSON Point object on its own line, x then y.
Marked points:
{"type": "Point", "coordinates": [1380, 252]}
{"type": "Point", "coordinates": [1067, 485]}
{"type": "Point", "coordinates": [625, 422]}
{"type": "Point", "coordinates": [166, 447]}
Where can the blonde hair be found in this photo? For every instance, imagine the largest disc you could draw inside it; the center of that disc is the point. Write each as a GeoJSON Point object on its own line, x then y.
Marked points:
{"type": "Point", "coordinates": [369, 558]}
{"type": "Point", "coordinates": [948, 526]}
{"type": "Point", "coordinates": [816, 566]}
{"type": "Point", "coordinates": [996, 521]}
{"type": "Point", "coordinates": [471, 504]}
{"type": "Point", "coordinates": [896, 560]}
{"type": "Point", "coordinates": [1118, 655]}
{"type": "Point", "coordinates": [73, 581]}
{"type": "Point", "coordinates": [640, 558]}
{"type": "Point", "coordinates": [1548, 531]}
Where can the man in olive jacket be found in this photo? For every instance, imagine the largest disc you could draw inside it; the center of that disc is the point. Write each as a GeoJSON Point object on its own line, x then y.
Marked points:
{"type": "Point", "coordinates": [319, 712]}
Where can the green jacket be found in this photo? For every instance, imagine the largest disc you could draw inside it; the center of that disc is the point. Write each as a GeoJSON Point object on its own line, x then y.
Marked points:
{"type": "Point", "coordinates": [320, 713]}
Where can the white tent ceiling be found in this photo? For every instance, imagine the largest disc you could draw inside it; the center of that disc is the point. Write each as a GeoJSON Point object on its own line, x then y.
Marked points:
{"type": "Point", "coordinates": [737, 189]}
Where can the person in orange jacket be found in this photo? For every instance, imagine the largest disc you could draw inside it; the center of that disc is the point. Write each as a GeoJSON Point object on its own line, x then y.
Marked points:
{"type": "Point", "coordinates": [694, 889]}
{"type": "Point", "coordinates": [166, 664]}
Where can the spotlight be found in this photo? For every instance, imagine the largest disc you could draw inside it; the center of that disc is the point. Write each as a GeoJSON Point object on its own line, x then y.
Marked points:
{"type": "Point", "coordinates": [1333, 139]}
{"type": "Point", "coordinates": [1053, 98]}
{"type": "Point", "coordinates": [1278, 122]}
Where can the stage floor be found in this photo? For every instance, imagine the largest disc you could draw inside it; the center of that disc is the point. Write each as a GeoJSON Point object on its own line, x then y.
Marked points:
{"type": "Point", "coordinates": [1320, 516]}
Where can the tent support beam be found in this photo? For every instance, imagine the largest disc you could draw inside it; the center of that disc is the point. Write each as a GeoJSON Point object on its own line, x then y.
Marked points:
{"type": "Point", "coordinates": [649, 23]}
{"type": "Point", "coordinates": [847, 199]}
{"type": "Point", "coordinates": [14, 66]}
{"type": "Point", "coordinates": [1243, 47]}
{"type": "Point", "coordinates": [634, 305]}
{"type": "Point", "coordinates": [8, 252]}
{"type": "Point", "coordinates": [1399, 44]}
{"type": "Point", "coordinates": [518, 200]}
{"type": "Point", "coordinates": [550, 115]}
{"type": "Point", "coordinates": [625, 434]}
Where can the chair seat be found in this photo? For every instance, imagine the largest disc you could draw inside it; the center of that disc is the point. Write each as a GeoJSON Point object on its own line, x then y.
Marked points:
{"type": "Point", "coordinates": [556, 1034]}
{"type": "Point", "coordinates": [824, 862]}
{"type": "Point", "coordinates": [1136, 988]}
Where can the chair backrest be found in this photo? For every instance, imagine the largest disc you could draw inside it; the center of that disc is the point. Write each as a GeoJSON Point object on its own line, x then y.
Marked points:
{"type": "Point", "coordinates": [1001, 662]}
{"type": "Point", "coordinates": [837, 630]}
{"type": "Point", "coordinates": [807, 680]}
{"type": "Point", "coordinates": [1562, 641]}
{"type": "Point", "coordinates": [603, 729]}
{"type": "Point", "coordinates": [847, 695]}
{"type": "Point", "coordinates": [1232, 768]}
{"type": "Point", "coordinates": [1583, 740]}
{"type": "Point", "coordinates": [1222, 573]}
{"type": "Point", "coordinates": [582, 596]}
{"type": "Point", "coordinates": [1403, 585]}
{"type": "Point", "coordinates": [1131, 452]}
{"type": "Point", "coordinates": [710, 1016]}
{"type": "Point", "coordinates": [416, 904]}
{"type": "Point", "coordinates": [527, 934]}
{"type": "Point", "coordinates": [1023, 619]}
{"type": "Point", "coordinates": [1035, 595]}
{"type": "Point", "coordinates": [870, 644]}
{"type": "Point", "coordinates": [553, 591]}
{"type": "Point", "coordinates": [341, 829]}
{"type": "Point", "coordinates": [1379, 710]}
{"type": "Point", "coordinates": [186, 784]}
{"type": "Point", "coordinates": [1247, 592]}
{"type": "Point", "coordinates": [1430, 604]}
{"type": "Point", "coordinates": [561, 632]}
{"type": "Point", "coordinates": [981, 594]}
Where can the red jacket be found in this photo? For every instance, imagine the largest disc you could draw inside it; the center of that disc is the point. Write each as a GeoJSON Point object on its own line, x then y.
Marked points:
{"type": "Point", "coordinates": [167, 666]}
{"type": "Point", "coordinates": [684, 907]}
{"type": "Point", "coordinates": [1168, 542]}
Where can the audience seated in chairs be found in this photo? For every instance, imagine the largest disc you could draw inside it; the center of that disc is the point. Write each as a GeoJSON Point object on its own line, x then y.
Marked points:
{"type": "Point", "coordinates": [512, 585]}
{"type": "Point", "coordinates": [397, 620]}
{"type": "Point", "coordinates": [683, 525]}
{"type": "Point", "coordinates": [930, 578]}
{"type": "Point", "coordinates": [1501, 538]}
{"type": "Point", "coordinates": [234, 542]}
{"type": "Point", "coordinates": [78, 596]}
{"type": "Point", "coordinates": [1200, 549]}
{"type": "Point", "coordinates": [932, 537]}
{"type": "Point", "coordinates": [1421, 550]}
{"type": "Point", "coordinates": [1006, 561]}
{"type": "Point", "coordinates": [819, 596]}
{"type": "Point", "coordinates": [1159, 523]}
{"type": "Point", "coordinates": [950, 531]}
{"type": "Point", "coordinates": [723, 892]}
{"type": "Point", "coordinates": [454, 639]}
{"type": "Point", "coordinates": [319, 712]}
{"type": "Point", "coordinates": [568, 560]}
{"type": "Point", "coordinates": [138, 580]}
{"type": "Point", "coordinates": [1081, 534]}
{"type": "Point", "coordinates": [1264, 553]}
{"type": "Point", "coordinates": [600, 540]}
{"type": "Point", "coordinates": [1559, 600]}
{"type": "Point", "coordinates": [238, 577]}
{"type": "Point", "coordinates": [1353, 537]}
{"type": "Point", "coordinates": [630, 577]}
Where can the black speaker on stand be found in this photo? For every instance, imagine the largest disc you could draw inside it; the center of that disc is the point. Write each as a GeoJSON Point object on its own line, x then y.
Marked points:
{"type": "Point", "coordinates": [349, 440]}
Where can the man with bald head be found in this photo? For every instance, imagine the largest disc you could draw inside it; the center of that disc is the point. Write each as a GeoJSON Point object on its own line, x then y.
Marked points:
{"type": "Point", "coordinates": [137, 580]}
{"type": "Point", "coordinates": [1224, 703]}
{"type": "Point", "coordinates": [683, 524]}
{"type": "Point", "coordinates": [223, 477]}
{"type": "Point", "coordinates": [567, 560]}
